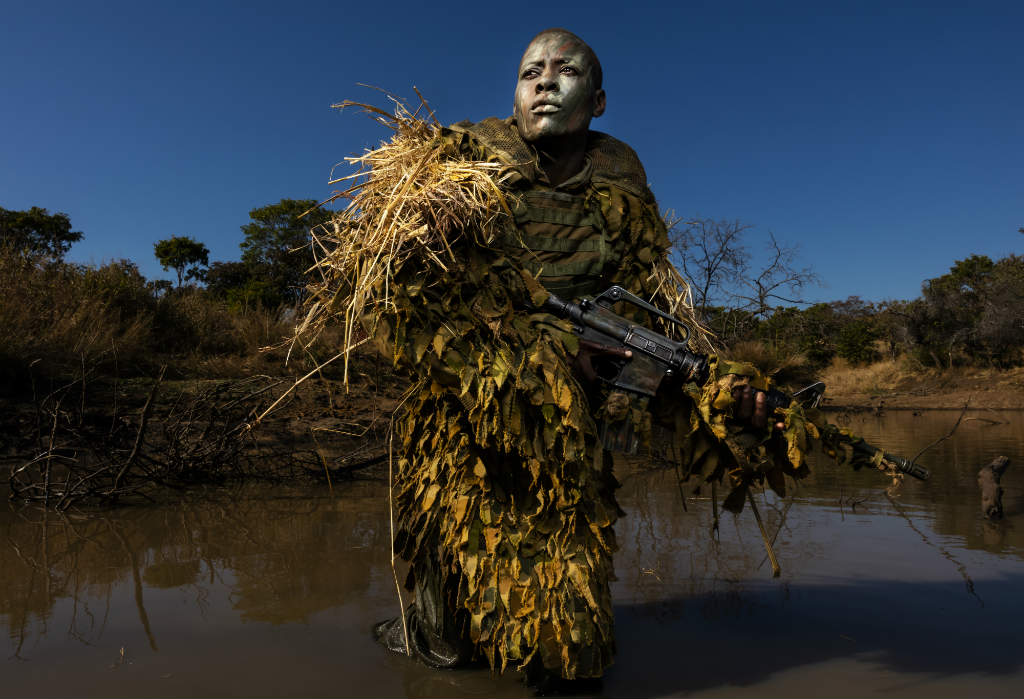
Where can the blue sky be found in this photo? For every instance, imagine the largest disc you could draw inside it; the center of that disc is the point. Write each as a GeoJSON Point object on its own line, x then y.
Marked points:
{"type": "Point", "coordinates": [886, 139]}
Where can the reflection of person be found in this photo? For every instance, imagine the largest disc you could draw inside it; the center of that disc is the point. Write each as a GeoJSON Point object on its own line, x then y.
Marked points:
{"type": "Point", "coordinates": [505, 498]}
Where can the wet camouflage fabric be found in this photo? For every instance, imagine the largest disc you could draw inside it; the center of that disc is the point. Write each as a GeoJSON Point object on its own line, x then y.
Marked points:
{"type": "Point", "coordinates": [501, 485]}
{"type": "Point", "coordinates": [500, 478]}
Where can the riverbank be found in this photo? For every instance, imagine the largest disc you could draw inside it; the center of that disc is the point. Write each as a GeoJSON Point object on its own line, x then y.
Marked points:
{"type": "Point", "coordinates": [889, 386]}
{"type": "Point", "coordinates": [103, 439]}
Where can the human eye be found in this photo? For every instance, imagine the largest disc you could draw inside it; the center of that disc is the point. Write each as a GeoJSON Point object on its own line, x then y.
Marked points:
{"type": "Point", "coordinates": [569, 70]}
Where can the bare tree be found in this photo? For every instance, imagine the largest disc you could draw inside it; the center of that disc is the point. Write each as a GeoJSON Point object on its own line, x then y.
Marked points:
{"type": "Point", "coordinates": [717, 262]}
{"type": "Point", "coordinates": [711, 254]}
{"type": "Point", "coordinates": [778, 281]}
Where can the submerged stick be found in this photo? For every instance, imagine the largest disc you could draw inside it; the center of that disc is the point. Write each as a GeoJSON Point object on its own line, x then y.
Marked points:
{"type": "Point", "coordinates": [323, 460]}
{"type": "Point", "coordinates": [961, 568]}
{"type": "Point", "coordinates": [714, 508]}
{"type": "Point", "coordinates": [679, 482]}
{"type": "Point", "coordinates": [782, 523]}
{"type": "Point", "coordinates": [391, 521]}
{"type": "Point", "coordinates": [776, 568]}
{"type": "Point", "coordinates": [943, 439]}
{"type": "Point", "coordinates": [147, 410]}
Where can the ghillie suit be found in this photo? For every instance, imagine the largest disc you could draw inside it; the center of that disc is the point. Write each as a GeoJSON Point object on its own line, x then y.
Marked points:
{"type": "Point", "coordinates": [504, 497]}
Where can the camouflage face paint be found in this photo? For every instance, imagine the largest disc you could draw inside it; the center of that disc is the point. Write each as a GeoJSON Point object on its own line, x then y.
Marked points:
{"type": "Point", "coordinates": [554, 94]}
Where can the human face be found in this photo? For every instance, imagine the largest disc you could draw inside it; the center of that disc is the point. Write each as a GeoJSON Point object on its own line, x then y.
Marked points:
{"type": "Point", "coordinates": [554, 97]}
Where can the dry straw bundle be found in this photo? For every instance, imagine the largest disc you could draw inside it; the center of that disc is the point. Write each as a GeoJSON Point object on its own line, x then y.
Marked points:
{"type": "Point", "coordinates": [672, 290]}
{"type": "Point", "coordinates": [408, 199]}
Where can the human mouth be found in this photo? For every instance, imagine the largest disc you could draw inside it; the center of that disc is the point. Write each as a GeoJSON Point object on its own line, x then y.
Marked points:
{"type": "Point", "coordinates": [545, 108]}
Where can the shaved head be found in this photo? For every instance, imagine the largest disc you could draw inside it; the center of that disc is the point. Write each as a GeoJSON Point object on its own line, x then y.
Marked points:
{"type": "Point", "coordinates": [559, 88]}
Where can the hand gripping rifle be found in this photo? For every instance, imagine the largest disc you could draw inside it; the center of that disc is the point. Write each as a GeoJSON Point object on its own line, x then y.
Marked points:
{"type": "Point", "coordinates": [634, 358]}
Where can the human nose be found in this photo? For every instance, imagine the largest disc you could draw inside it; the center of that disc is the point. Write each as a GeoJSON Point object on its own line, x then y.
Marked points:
{"type": "Point", "coordinates": [547, 81]}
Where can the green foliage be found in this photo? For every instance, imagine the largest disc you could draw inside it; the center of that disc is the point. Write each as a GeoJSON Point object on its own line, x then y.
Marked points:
{"type": "Point", "coordinates": [813, 332]}
{"type": "Point", "coordinates": [120, 284]}
{"type": "Point", "coordinates": [856, 342]}
{"type": "Point", "coordinates": [191, 322]}
{"type": "Point", "coordinates": [36, 232]}
{"type": "Point", "coordinates": [223, 277]}
{"type": "Point", "coordinates": [235, 283]}
{"type": "Point", "coordinates": [275, 250]}
{"type": "Point", "coordinates": [255, 293]}
{"type": "Point", "coordinates": [811, 337]}
{"type": "Point", "coordinates": [730, 325]}
{"type": "Point", "coordinates": [58, 317]}
{"type": "Point", "coordinates": [184, 255]}
{"type": "Point", "coordinates": [973, 312]}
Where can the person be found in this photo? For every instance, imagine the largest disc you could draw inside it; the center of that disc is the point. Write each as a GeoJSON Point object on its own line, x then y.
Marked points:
{"type": "Point", "coordinates": [504, 492]}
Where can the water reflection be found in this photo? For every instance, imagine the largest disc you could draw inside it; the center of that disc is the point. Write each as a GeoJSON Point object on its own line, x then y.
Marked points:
{"type": "Point", "coordinates": [951, 498]}
{"type": "Point", "coordinates": [279, 553]}
{"type": "Point", "coordinates": [272, 591]}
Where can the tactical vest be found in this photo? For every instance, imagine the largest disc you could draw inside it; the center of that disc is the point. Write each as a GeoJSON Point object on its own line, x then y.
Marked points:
{"type": "Point", "coordinates": [562, 237]}
{"type": "Point", "coordinates": [562, 243]}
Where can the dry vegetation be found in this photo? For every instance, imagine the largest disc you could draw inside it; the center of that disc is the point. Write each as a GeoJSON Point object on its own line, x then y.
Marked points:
{"type": "Point", "coordinates": [900, 384]}
{"type": "Point", "coordinates": [59, 317]}
{"type": "Point", "coordinates": [111, 392]}
{"type": "Point", "coordinates": [408, 198]}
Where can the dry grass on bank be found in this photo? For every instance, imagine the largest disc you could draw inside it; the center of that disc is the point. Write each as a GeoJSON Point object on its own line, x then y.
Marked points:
{"type": "Point", "coordinates": [880, 378]}
{"type": "Point", "coordinates": [901, 384]}
{"type": "Point", "coordinates": [889, 384]}
{"type": "Point", "coordinates": [60, 319]}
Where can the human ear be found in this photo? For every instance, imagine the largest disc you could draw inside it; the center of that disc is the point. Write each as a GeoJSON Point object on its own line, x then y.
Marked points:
{"type": "Point", "coordinates": [599, 103]}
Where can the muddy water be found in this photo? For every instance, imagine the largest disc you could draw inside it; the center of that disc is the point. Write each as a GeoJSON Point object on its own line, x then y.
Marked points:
{"type": "Point", "coordinates": [269, 592]}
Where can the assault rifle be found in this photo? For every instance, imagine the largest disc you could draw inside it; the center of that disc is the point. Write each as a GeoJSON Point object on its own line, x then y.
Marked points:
{"type": "Point", "coordinates": [635, 358]}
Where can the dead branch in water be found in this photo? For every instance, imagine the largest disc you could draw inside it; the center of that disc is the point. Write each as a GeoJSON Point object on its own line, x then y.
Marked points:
{"type": "Point", "coordinates": [199, 434]}
{"type": "Point", "coordinates": [943, 439]}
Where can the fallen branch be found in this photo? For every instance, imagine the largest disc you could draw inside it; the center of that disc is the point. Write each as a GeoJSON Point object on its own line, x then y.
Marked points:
{"type": "Point", "coordinates": [943, 439]}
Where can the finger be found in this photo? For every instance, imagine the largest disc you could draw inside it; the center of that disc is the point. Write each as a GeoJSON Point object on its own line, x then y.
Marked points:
{"type": "Point", "coordinates": [760, 417]}
{"type": "Point", "coordinates": [746, 403]}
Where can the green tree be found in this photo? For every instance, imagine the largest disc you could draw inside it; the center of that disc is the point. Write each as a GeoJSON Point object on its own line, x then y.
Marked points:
{"type": "Point", "coordinates": [856, 341]}
{"type": "Point", "coordinates": [235, 283]}
{"type": "Point", "coordinates": [973, 313]}
{"type": "Point", "coordinates": [224, 277]}
{"type": "Point", "coordinates": [121, 284]}
{"type": "Point", "coordinates": [184, 255]}
{"type": "Point", "coordinates": [1000, 326]}
{"type": "Point", "coordinates": [37, 232]}
{"type": "Point", "coordinates": [951, 305]}
{"type": "Point", "coordinates": [274, 243]}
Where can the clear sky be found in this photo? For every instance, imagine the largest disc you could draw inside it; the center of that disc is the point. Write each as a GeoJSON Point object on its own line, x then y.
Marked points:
{"type": "Point", "coordinates": [886, 139]}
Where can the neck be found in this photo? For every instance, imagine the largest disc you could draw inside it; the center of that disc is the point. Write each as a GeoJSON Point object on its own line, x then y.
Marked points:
{"type": "Point", "coordinates": [561, 158]}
